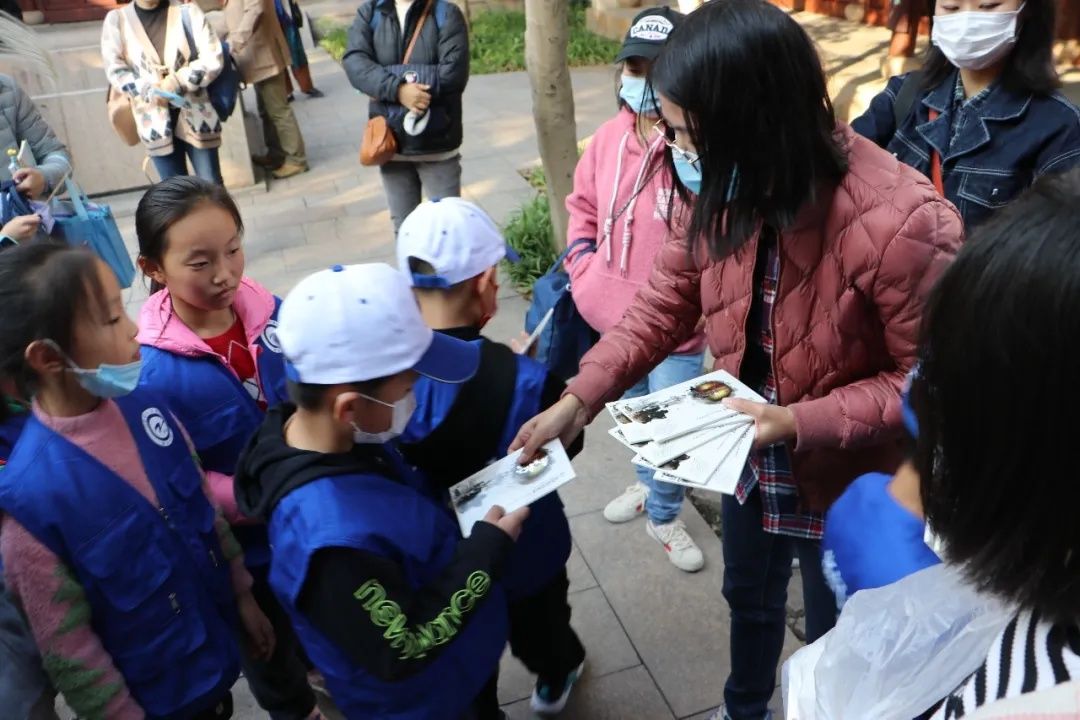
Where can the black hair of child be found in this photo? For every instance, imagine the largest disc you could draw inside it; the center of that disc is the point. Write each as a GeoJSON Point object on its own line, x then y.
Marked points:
{"type": "Point", "coordinates": [996, 400]}
{"type": "Point", "coordinates": [44, 288]}
{"type": "Point", "coordinates": [309, 396]}
{"type": "Point", "coordinates": [169, 202]}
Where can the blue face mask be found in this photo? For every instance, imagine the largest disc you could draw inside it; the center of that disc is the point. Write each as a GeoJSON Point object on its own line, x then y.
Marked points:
{"type": "Point", "coordinates": [636, 93]}
{"type": "Point", "coordinates": [689, 173]}
{"type": "Point", "coordinates": [107, 380]}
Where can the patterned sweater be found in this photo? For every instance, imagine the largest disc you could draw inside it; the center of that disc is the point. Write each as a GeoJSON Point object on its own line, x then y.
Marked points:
{"type": "Point", "coordinates": [49, 593]}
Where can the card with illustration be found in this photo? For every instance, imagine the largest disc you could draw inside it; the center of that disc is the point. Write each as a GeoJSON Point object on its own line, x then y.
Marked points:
{"type": "Point", "coordinates": [667, 414]}
{"type": "Point", "coordinates": [660, 453]}
{"type": "Point", "coordinates": [725, 477]}
{"type": "Point", "coordinates": [510, 485]}
{"type": "Point", "coordinates": [616, 432]}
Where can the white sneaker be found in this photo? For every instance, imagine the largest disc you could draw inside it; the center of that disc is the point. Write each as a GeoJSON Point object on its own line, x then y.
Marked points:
{"type": "Point", "coordinates": [682, 551]}
{"type": "Point", "coordinates": [627, 506]}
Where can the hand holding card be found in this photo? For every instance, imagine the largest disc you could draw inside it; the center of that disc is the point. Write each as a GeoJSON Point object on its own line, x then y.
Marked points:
{"type": "Point", "coordinates": [510, 486]}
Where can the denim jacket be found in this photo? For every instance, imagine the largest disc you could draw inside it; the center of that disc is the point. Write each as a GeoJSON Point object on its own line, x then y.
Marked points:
{"type": "Point", "coordinates": [1011, 141]}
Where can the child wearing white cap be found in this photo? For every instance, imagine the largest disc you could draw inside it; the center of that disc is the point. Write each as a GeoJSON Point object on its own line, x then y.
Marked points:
{"type": "Point", "coordinates": [450, 248]}
{"type": "Point", "coordinates": [405, 620]}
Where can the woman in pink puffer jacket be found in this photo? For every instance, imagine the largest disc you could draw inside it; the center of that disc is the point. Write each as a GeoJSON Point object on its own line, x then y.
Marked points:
{"type": "Point", "coordinates": [809, 251]}
{"type": "Point", "coordinates": [622, 199]}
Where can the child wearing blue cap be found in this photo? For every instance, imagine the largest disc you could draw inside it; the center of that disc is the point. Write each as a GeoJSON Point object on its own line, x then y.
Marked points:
{"type": "Point", "coordinates": [451, 249]}
{"type": "Point", "coordinates": [874, 533]}
{"type": "Point", "coordinates": [405, 620]}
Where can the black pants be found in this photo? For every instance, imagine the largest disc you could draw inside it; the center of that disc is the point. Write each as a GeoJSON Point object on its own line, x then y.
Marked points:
{"type": "Point", "coordinates": [222, 710]}
{"type": "Point", "coordinates": [279, 684]}
{"type": "Point", "coordinates": [540, 633]}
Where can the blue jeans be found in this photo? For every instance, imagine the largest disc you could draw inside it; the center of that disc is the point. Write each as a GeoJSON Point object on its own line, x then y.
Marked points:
{"type": "Point", "coordinates": [665, 499]}
{"type": "Point", "coordinates": [757, 568]}
{"type": "Point", "coordinates": [204, 162]}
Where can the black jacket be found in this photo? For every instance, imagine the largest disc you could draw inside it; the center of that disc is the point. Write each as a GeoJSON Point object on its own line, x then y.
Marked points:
{"type": "Point", "coordinates": [440, 59]}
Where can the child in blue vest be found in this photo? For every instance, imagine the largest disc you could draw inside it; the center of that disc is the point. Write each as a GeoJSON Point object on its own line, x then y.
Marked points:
{"type": "Point", "coordinates": [451, 249]}
{"type": "Point", "coordinates": [109, 544]}
{"type": "Point", "coordinates": [405, 620]}
{"type": "Point", "coordinates": [209, 345]}
{"type": "Point", "coordinates": [24, 689]}
{"type": "Point", "coordinates": [875, 532]}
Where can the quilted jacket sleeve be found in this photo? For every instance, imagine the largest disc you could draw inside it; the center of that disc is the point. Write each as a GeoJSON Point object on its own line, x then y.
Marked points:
{"type": "Point", "coordinates": [663, 315]}
{"type": "Point", "coordinates": [860, 414]}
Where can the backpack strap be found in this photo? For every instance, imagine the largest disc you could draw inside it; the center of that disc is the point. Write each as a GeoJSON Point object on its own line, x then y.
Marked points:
{"type": "Point", "coordinates": [442, 455]}
{"type": "Point", "coordinates": [906, 96]}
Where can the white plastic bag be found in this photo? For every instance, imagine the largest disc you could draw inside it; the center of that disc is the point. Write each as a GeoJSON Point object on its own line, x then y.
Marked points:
{"type": "Point", "coordinates": [895, 651]}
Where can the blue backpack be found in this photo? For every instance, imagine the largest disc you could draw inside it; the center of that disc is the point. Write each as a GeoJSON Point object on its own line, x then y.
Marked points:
{"type": "Point", "coordinates": [567, 337]}
{"type": "Point", "coordinates": [225, 90]}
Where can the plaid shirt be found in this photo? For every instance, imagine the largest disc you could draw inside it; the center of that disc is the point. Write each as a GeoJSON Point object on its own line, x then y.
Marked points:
{"type": "Point", "coordinates": [770, 469]}
{"type": "Point", "coordinates": [965, 109]}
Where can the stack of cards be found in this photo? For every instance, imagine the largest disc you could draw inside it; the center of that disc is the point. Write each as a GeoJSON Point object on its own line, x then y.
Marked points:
{"type": "Point", "coordinates": [510, 485]}
{"type": "Point", "coordinates": [686, 434]}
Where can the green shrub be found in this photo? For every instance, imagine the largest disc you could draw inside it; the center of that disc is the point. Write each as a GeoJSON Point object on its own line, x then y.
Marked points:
{"type": "Point", "coordinates": [529, 232]}
{"type": "Point", "coordinates": [335, 37]}
{"type": "Point", "coordinates": [497, 41]}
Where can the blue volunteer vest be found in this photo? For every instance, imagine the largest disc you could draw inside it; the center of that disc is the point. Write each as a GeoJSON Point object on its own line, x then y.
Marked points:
{"type": "Point", "coordinates": [155, 578]}
{"type": "Point", "coordinates": [870, 540]}
{"type": "Point", "coordinates": [397, 520]}
{"type": "Point", "coordinates": [543, 548]}
{"type": "Point", "coordinates": [218, 412]}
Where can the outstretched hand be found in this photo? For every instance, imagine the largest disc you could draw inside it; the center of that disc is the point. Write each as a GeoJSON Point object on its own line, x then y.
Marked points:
{"type": "Point", "coordinates": [509, 523]}
{"type": "Point", "coordinates": [772, 424]}
{"type": "Point", "coordinates": [564, 420]}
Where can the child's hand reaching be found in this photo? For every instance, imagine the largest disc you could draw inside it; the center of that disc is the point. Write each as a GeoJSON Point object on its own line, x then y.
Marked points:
{"type": "Point", "coordinates": [508, 523]}
{"type": "Point", "coordinates": [260, 633]}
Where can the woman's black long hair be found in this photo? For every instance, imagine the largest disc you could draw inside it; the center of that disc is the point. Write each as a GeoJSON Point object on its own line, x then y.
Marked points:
{"type": "Point", "coordinates": [1030, 66]}
{"type": "Point", "coordinates": [996, 399]}
{"type": "Point", "coordinates": [750, 83]}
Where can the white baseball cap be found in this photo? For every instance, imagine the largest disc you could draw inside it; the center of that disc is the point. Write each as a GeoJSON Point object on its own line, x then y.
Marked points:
{"type": "Point", "coordinates": [351, 323]}
{"type": "Point", "coordinates": [455, 237]}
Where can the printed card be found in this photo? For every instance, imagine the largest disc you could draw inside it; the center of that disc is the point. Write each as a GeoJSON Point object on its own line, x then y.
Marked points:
{"type": "Point", "coordinates": [510, 485]}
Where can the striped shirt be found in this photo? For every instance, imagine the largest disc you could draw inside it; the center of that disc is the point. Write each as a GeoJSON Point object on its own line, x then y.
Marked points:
{"type": "Point", "coordinates": [1031, 655]}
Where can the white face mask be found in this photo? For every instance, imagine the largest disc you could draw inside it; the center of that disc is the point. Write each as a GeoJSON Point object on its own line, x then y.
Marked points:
{"type": "Point", "coordinates": [976, 40]}
{"type": "Point", "coordinates": [403, 410]}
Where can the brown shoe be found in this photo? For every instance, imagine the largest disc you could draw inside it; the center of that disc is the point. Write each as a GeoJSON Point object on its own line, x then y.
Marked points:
{"type": "Point", "coordinates": [288, 170]}
{"type": "Point", "coordinates": [266, 161]}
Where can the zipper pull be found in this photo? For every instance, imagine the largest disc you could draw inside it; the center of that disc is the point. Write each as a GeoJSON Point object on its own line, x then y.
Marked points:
{"type": "Point", "coordinates": [165, 516]}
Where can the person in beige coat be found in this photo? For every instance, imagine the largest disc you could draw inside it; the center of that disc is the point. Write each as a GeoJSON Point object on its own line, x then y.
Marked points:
{"type": "Point", "coordinates": [262, 55]}
{"type": "Point", "coordinates": [147, 57]}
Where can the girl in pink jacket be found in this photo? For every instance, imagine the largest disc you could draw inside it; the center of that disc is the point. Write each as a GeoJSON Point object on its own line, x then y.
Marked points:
{"type": "Point", "coordinates": [621, 201]}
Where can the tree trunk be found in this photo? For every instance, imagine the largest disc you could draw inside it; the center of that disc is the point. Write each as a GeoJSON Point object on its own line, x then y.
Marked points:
{"type": "Point", "coordinates": [547, 30]}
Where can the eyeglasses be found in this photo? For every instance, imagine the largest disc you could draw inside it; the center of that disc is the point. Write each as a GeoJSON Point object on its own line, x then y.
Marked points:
{"type": "Point", "coordinates": [661, 128]}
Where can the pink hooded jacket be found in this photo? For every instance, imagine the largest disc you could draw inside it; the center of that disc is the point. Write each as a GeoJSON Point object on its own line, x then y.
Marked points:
{"type": "Point", "coordinates": [622, 194]}
{"type": "Point", "coordinates": [161, 328]}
